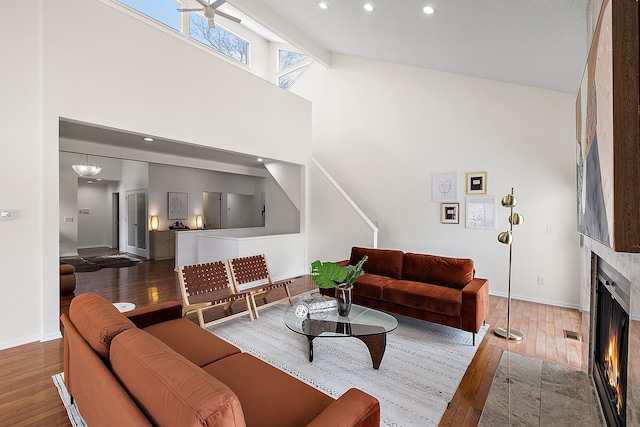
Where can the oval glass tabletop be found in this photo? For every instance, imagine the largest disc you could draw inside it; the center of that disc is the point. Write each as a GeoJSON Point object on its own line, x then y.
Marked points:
{"type": "Point", "coordinates": [361, 321]}
{"type": "Point", "coordinates": [367, 324]}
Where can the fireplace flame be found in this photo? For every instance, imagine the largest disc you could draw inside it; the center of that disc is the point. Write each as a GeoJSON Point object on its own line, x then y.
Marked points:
{"type": "Point", "coordinates": [612, 371]}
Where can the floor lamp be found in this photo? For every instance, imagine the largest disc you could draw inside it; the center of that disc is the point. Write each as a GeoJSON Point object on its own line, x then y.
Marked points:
{"type": "Point", "coordinates": [506, 237]}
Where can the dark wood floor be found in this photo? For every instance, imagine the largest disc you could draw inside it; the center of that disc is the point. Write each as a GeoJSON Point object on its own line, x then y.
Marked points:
{"type": "Point", "coordinates": [29, 398]}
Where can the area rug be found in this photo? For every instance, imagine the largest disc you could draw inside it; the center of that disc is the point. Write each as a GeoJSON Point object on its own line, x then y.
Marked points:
{"type": "Point", "coordinates": [419, 374]}
{"type": "Point", "coordinates": [95, 263]}
{"type": "Point", "coordinates": [72, 410]}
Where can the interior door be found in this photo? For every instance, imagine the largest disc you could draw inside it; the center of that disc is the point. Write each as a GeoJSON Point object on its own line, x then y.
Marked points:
{"type": "Point", "coordinates": [212, 210]}
{"type": "Point", "coordinates": [137, 234]}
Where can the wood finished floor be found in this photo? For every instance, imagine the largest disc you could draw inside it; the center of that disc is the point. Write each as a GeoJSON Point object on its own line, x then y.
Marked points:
{"type": "Point", "coordinates": [29, 398]}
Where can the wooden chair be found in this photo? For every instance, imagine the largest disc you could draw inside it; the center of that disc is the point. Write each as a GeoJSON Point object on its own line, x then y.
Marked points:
{"type": "Point", "coordinates": [251, 274]}
{"type": "Point", "coordinates": [204, 286]}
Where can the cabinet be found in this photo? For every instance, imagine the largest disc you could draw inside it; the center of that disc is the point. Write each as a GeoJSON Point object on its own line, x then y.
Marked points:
{"type": "Point", "coordinates": [162, 244]}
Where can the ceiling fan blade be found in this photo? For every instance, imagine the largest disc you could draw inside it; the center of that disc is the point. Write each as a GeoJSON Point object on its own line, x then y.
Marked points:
{"type": "Point", "coordinates": [190, 10]}
{"type": "Point", "coordinates": [216, 4]}
{"type": "Point", "coordinates": [226, 15]}
{"type": "Point", "coordinates": [203, 3]}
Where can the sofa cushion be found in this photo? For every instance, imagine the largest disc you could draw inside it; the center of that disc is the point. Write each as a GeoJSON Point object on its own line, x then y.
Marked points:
{"type": "Point", "coordinates": [433, 298]}
{"type": "Point", "coordinates": [383, 262]}
{"type": "Point", "coordinates": [269, 397]}
{"type": "Point", "coordinates": [169, 389]}
{"type": "Point", "coordinates": [198, 345]}
{"type": "Point", "coordinates": [371, 285]}
{"type": "Point", "coordinates": [98, 321]}
{"type": "Point", "coordinates": [450, 272]}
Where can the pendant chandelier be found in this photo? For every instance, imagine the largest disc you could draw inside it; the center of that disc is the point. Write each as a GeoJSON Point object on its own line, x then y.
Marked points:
{"type": "Point", "coordinates": [84, 168]}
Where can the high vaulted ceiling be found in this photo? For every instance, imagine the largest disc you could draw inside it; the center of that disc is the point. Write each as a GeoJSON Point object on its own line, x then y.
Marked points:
{"type": "Point", "coordinates": [539, 43]}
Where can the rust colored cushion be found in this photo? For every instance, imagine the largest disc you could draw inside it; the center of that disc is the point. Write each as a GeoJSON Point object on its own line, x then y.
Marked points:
{"type": "Point", "coordinates": [269, 397]}
{"type": "Point", "coordinates": [383, 262]}
{"type": "Point", "coordinates": [98, 321]}
{"type": "Point", "coordinates": [371, 285]}
{"type": "Point", "coordinates": [169, 389]}
{"type": "Point", "coordinates": [199, 346]}
{"type": "Point", "coordinates": [433, 298]}
{"type": "Point", "coordinates": [451, 272]}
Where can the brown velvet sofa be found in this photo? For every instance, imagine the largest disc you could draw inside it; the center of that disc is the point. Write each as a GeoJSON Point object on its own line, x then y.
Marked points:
{"type": "Point", "coordinates": [428, 287]}
{"type": "Point", "coordinates": [151, 366]}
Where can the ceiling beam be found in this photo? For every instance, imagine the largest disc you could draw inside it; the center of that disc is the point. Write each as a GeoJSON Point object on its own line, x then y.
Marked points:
{"type": "Point", "coordinates": [266, 16]}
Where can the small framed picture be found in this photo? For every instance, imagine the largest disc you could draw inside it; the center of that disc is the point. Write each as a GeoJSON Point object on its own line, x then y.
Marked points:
{"type": "Point", "coordinates": [481, 212]}
{"type": "Point", "coordinates": [476, 183]}
{"type": "Point", "coordinates": [177, 205]}
{"type": "Point", "coordinates": [449, 213]}
{"type": "Point", "coordinates": [444, 187]}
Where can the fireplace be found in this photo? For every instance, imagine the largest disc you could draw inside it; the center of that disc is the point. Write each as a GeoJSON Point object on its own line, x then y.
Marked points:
{"type": "Point", "coordinates": [610, 350]}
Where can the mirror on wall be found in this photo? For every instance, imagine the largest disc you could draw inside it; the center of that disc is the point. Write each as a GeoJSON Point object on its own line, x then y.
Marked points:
{"type": "Point", "coordinates": [230, 210]}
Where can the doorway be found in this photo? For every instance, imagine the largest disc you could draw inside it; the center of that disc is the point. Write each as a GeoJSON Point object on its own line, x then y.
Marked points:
{"type": "Point", "coordinates": [212, 210]}
{"type": "Point", "coordinates": [137, 223]}
{"type": "Point", "coordinates": [115, 220]}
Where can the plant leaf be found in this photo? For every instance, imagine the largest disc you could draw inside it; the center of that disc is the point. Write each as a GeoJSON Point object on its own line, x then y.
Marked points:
{"type": "Point", "coordinates": [327, 274]}
{"type": "Point", "coordinates": [354, 271]}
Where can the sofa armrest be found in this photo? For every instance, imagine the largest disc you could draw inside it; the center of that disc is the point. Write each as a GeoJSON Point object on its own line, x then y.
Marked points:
{"type": "Point", "coordinates": [354, 408]}
{"type": "Point", "coordinates": [475, 304]}
{"type": "Point", "coordinates": [157, 313]}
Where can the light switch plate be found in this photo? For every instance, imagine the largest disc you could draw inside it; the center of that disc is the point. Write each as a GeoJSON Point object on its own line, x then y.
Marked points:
{"type": "Point", "coordinates": [8, 214]}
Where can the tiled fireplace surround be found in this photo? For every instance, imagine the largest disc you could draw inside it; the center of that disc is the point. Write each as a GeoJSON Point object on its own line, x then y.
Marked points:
{"type": "Point", "coordinates": [629, 266]}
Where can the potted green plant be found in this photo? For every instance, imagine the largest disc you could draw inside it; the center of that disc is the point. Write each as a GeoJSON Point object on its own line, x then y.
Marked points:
{"type": "Point", "coordinates": [329, 275]}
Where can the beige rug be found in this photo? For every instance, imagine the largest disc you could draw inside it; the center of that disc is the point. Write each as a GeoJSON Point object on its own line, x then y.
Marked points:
{"type": "Point", "coordinates": [419, 374]}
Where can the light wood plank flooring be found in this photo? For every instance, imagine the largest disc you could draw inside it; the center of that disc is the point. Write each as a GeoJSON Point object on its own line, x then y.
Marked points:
{"type": "Point", "coordinates": [29, 398]}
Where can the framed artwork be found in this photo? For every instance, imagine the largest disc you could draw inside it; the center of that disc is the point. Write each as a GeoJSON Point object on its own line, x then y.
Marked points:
{"type": "Point", "coordinates": [445, 185]}
{"type": "Point", "coordinates": [449, 213]}
{"type": "Point", "coordinates": [476, 183]}
{"type": "Point", "coordinates": [178, 206]}
{"type": "Point", "coordinates": [481, 212]}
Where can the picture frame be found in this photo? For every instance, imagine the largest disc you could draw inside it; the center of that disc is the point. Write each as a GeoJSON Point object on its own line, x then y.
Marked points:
{"type": "Point", "coordinates": [481, 212]}
{"type": "Point", "coordinates": [177, 205]}
{"type": "Point", "coordinates": [449, 213]}
{"type": "Point", "coordinates": [444, 187]}
{"type": "Point", "coordinates": [476, 183]}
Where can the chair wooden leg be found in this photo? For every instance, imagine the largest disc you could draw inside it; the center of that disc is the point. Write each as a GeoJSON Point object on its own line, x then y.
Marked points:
{"type": "Point", "coordinates": [201, 318]}
{"type": "Point", "coordinates": [255, 306]}
{"type": "Point", "coordinates": [250, 309]}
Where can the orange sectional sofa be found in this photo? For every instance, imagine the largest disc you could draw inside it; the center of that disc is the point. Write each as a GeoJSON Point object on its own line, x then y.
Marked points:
{"type": "Point", "coordinates": [151, 366]}
{"type": "Point", "coordinates": [428, 287]}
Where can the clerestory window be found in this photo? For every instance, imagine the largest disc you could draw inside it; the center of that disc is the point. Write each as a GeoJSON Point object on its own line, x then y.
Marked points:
{"type": "Point", "coordinates": [218, 38]}
{"type": "Point", "coordinates": [163, 11]}
{"type": "Point", "coordinates": [291, 65]}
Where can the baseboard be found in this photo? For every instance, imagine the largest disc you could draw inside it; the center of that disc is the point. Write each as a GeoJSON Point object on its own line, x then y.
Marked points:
{"type": "Point", "coordinates": [536, 300]}
{"type": "Point", "coordinates": [17, 342]}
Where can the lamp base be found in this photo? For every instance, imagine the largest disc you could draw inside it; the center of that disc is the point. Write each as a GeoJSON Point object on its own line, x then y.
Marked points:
{"type": "Point", "coordinates": [512, 334]}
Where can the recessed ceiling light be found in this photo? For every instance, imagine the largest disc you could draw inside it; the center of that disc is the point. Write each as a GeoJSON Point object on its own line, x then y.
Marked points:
{"type": "Point", "coordinates": [368, 7]}
{"type": "Point", "coordinates": [148, 139]}
{"type": "Point", "coordinates": [429, 10]}
{"type": "Point", "coordinates": [89, 182]}
{"type": "Point", "coordinates": [259, 159]}
{"type": "Point", "coordinates": [323, 5]}
{"type": "Point", "coordinates": [98, 179]}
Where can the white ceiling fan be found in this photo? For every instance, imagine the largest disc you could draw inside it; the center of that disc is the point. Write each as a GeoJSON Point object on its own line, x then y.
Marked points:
{"type": "Point", "coordinates": [210, 11]}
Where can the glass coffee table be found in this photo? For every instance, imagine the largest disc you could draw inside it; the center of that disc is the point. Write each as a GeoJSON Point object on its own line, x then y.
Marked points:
{"type": "Point", "coordinates": [367, 324]}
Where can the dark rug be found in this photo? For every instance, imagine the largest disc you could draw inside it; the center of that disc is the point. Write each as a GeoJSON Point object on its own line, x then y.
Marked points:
{"type": "Point", "coordinates": [95, 263]}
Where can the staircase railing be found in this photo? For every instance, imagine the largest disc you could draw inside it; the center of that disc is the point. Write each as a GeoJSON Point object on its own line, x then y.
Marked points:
{"type": "Point", "coordinates": [353, 205]}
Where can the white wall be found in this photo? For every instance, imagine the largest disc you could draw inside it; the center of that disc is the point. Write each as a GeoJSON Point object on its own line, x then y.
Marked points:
{"type": "Point", "coordinates": [117, 73]}
{"type": "Point", "coordinates": [382, 130]}
{"type": "Point", "coordinates": [21, 256]}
